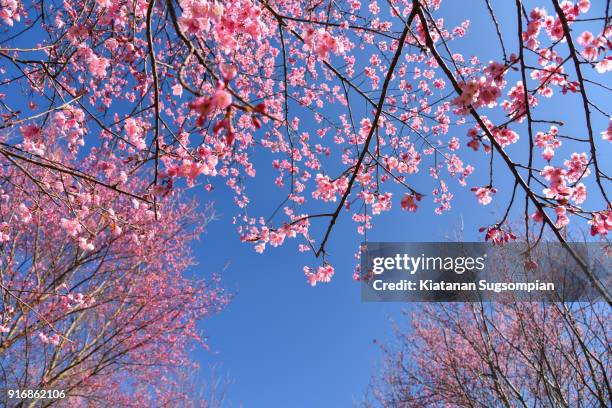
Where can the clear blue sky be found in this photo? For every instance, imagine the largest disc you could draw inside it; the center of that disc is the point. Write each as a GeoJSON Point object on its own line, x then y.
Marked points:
{"type": "Point", "coordinates": [283, 343]}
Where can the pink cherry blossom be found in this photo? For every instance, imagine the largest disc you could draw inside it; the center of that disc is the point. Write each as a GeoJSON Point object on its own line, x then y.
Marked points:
{"type": "Point", "coordinates": [498, 235]}
{"type": "Point", "coordinates": [24, 213]}
{"type": "Point", "coordinates": [579, 193]}
{"type": "Point", "coordinates": [322, 43]}
{"type": "Point", "coordinates": [409, 202]}
{"type": "Point", "coordinates": [605, 65]}
{"type": "Point", "coordinates": [72, 227]}
{"type": "Point", "coordinates": [85, 245]}
{"type": "Point", "coordinates": [537, 216]}
{"type": "Point", "coordinates": [328, 189]}
{"type": "Point", "coordinates": [135, 133]}
{"type": "Point", "coordinates": [601, 223]}
{"type": "Point", "coordinates": [323, 274]}
{"type": "Point", "coordinates": [484, 194]}
{"type": "Point", "coordinates": [584, 5]}
{"type": "Point", "coordinates": [9, 12]}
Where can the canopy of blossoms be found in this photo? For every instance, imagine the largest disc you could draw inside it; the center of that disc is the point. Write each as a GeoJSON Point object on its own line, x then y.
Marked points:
{"type": "Point", "coordinates": [348, 99]}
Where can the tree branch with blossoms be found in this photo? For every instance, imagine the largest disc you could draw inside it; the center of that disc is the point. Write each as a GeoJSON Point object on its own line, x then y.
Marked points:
{"type": "Point", "coordinates": [349, 101]}
{"type": "Point", "coordinates": [511, 165]}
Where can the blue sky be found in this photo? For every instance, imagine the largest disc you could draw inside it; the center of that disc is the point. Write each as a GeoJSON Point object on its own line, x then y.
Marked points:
{"type": "Point", "coordinates": [283, 343]}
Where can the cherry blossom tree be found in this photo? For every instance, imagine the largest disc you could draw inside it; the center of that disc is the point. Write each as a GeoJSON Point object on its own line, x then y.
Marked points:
{"type": "Point", "coordinates": [516, 354]}
{"type": "Point", "coordinates": [96, 300]}
{"type": "Point", "coordinates": [350, 98]}
{"type": "Point", "coordinates": [507, 352]}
